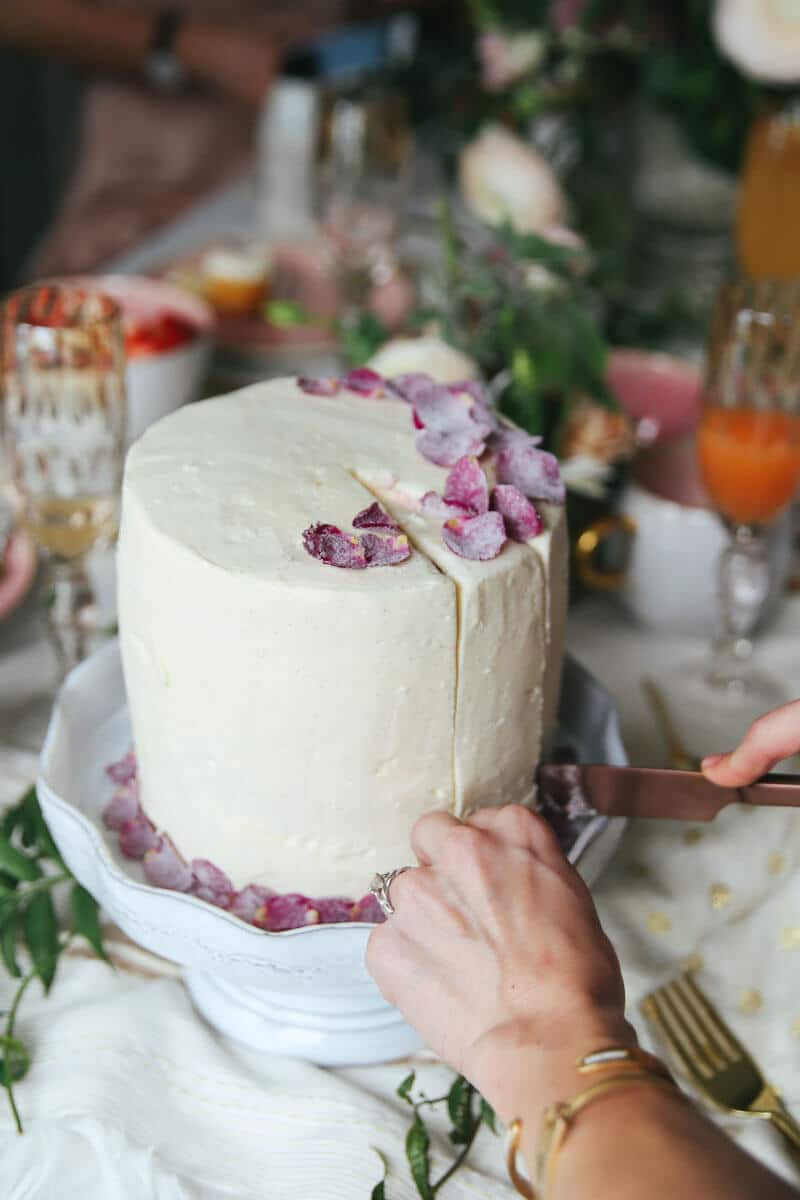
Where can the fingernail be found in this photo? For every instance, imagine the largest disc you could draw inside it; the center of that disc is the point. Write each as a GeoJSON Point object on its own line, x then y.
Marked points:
{"type": "Point", "coordinates": [711, 760]}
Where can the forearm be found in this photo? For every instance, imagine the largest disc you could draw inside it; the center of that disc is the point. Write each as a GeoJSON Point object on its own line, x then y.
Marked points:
{"type": "Point", "coordinates": [644, 1142]}
{"type": "Point", "coordinates": [78, 31]}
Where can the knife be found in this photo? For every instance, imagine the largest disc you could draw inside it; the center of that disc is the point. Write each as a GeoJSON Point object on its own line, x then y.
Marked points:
{"type": "Point", "coordinates": [652, 792]}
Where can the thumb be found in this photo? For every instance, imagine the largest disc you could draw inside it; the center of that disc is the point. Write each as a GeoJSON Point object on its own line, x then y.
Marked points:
{"type": "Point", "coordinates": [771, 738]}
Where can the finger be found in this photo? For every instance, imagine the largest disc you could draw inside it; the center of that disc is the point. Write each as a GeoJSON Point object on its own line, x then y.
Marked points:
{"type": "Point", "coordinates": [430, 833]}
{"type": "Point", "coordinates": [519, 826]}
{"type": "Point", "coordinates": [427, 906]}
{"type": "Point", "coordinates": [771, 738]}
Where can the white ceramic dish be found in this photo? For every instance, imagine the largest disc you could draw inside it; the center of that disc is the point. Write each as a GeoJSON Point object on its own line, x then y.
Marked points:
{"type": "Point", "coordinates": [305, 992]}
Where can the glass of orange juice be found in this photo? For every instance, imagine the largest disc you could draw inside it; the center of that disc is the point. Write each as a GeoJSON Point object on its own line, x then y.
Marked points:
{"type": "Point", "coordinates": [748, 444]}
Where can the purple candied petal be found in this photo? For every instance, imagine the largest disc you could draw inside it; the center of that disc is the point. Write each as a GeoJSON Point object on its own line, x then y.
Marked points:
{"type": "Point", "coordinates": [123, 771]}
{"type": "Point", "coordinates": [434, 505]}
{"type": "Point", "coordinates": [325, 386]}
{"type": "Point", "coordinates": [385, 551]}
{"type": "Point", "coordinates": [164, 867]}
{"type": "Point", "coordinates": [439, 410]}
{"type": "Point", "coordinates": [123, 806]}
{"type": "Point", "coordinates": [288, 912]}
{"type": "Point", "coordinates": [479, 538]}
{"type": "Point", "coordinates": [522, 519]}
{"type": "Point", "coordinates": [246, 903]}
{"type": "Point", "coordinates": [363, 381]}
{"type": "Point", "coordinates": [467, 486]}
{"type": "Point", "coordinates": [374, 517]}
{"type": "Point", "coordinates": [505, 437]}
{"type": "Point", "coordinates": [334, 909]}
{"type": "Point", "coordinates": [137, 836]}
{"type": "Point", "coordinates": [411, 385]}
{"type": "Point", "coordinates": [210, 883]}
{"type": "Point", "coordinates": [368, 909]}
{"type": "Point", "coordinates": [484, 419]}
{"type": "Point", "coordinates": [333, 547]}
{"type": "Point", "coordinates": [535, 472]}
{"type": "Point", "coordinates": [445, 449]}
{"type": "Point", "coordinates": [470, 387]}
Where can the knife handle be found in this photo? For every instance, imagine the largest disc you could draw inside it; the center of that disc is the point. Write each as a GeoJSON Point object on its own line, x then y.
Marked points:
{"type": "Point", "coordinates": [781, 790]}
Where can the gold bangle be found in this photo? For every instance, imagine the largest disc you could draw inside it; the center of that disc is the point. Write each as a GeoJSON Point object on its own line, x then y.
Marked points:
{"type": "Point", "coordinates": [629, 1065]}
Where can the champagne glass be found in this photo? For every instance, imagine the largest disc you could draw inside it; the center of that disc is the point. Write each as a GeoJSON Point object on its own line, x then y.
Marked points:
{"type": "Point", "coordinates": [64, 433]}
{"type": "Point", "coordinates": [749, 453]}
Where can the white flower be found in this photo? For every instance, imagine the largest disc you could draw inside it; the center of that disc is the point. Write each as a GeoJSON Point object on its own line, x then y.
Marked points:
{"type": "Point", "coordinates": [504, 179]}
{"type": "Point", "coordinates": [541, 279]}
{"type": "Point", "coordinates": [429, 355]}
{"type": "Point", "coordinates": [762, 37]}
{"type": "Point", "coordinates": [506, 57]}
{"type": "Point", "coordinates": [586, 475]}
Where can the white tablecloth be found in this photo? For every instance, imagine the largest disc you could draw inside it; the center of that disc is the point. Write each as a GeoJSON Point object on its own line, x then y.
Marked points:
{"type": "Point", "coordinates": [132, 1097]}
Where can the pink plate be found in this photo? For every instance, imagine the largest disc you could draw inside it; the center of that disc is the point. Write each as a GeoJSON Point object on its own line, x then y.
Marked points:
{"type": "Point", "coordinates": [660, 387]}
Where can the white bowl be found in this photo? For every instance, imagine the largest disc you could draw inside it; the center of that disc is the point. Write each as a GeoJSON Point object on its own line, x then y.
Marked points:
{"type": "Point", "coordinates": [305, 992]}
{"type": "Point", "coordinates": [159, 384]}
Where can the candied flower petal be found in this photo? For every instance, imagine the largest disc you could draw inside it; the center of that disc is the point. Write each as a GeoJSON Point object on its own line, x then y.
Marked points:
{"type": "Point", "coordinates": [292, 911]}
{"type": "Point", "coordinates": [330, 545]}
{"type": "Point", "coordinates": [368, 909]}
{"type": "Point", "coordinates": [246, 903]}
{"type": "Point", "coordinates": [324, 386]}
{"type": "Point", "coordinates": [137, 836]}
{"type": "Point", "coordinates": [535, 472]}
{"type": "Point", "coordinates": [164, 867]}
{"type": "Point", "coordinates": [385, 551]}
{"type": "Point", "coordinates": [374, 517]}
{"type": "Point", "coordinates": [364, 381]}
{"type": "Point", "coordinates": [440, 410]}
{"type": "Point", "coordinates": [467, 486]}
{"type": "Point", "coordinates": [445, 449]}
{"type": "Point", "coordinates": [479, 538]}
{"type": "Point", "coordinates": [334, 909]}
{"type": "Point", "coordinates": [521, 517]}
{"type": "Point", "coordinates": [210, 883]}
{"type": "Point", "coordinates": [434, 505]}
{"type": "Point", "coordinates": [411, 385]}
{"type": "Point", "coordinates": [123, 806]}
{"type": "Point", "coordinates": [124, 770]}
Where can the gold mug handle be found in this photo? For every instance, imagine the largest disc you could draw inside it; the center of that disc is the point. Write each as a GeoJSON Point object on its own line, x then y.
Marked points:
{"type": "Point", "coordinates": [589, 543]}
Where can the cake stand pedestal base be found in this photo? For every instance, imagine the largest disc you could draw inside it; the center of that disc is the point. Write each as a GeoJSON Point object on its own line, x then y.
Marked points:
{"type": "Point", "coordinates": [327, 1030]}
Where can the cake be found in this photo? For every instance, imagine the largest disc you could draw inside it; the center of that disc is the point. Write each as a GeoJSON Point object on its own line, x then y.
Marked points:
{"type": "Point", "coordinates": [292, 718]}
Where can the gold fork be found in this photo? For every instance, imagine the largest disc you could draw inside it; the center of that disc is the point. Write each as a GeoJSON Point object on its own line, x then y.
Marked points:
{"type": "Point", "coordinates": [714, 1061]}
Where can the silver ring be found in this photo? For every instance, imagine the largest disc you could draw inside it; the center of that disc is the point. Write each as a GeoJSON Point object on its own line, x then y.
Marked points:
{"type": "Point", "coordinates": [380, 889]}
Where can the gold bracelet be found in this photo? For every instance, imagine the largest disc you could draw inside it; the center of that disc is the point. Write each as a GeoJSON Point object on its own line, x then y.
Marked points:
{"type": "Point", "coordinates": [628, 1064]}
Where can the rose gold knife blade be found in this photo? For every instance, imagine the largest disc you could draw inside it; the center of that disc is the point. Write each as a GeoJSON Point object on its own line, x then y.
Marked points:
{"type": "Point", "coordinates": [671, 795]}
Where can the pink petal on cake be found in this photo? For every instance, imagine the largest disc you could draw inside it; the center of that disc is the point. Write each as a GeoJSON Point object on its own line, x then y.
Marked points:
{"type": "Point", "coordinates": [479, 538]}
{"type": "Point", "coordinates": [363, 381]}
{"type": "Point", "coordinates": [210, 883]}
{"type": "Point", "coordinates": [467, 486]}
{"type": "Point", "coordinates": [164, 867]}
{"type": "Point", "coordinates": [535, 472]}
{"type": "Point", "coordinates": [334, 909]}
{"type": "Point", "coordinates": [325, 386]}
{"type": "Point", "coordinates": [123, 806]}
{"type": "Point", "coordinates": [523, 522]}
{"type": "Point", "coordinates": [445, 449]}
{"type": "Point", "coordinates": [434, 505]}
{"type": "Point", "coordinates": [249, 900]}
{"type": "Point", "coordinates": [368, 909]}
{"type": "Point", "coordinates": [385, 551]}
{"type": "Point", "coordinates": [287, 912]}
{"type": "Point", "coordinates": [333, 547]}
{"type": "Point", "coordinates": [124, 770]}
{"type": "Point", "coordinates": [137, 836]}
{"type": "Point", "coordinates": [438, 409]}
{"type": "Point", "coordinates": [469, 387]}
{"type": "Point", "coordinates": [410, 385]}
{"type": "Point", "coordinates": [375, 518]}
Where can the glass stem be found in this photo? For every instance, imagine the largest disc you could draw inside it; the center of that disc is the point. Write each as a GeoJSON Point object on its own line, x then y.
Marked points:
{"type": "Point", "coordinates": [743, 588]}
{"type": "Point", "coordinates": [70, 611]}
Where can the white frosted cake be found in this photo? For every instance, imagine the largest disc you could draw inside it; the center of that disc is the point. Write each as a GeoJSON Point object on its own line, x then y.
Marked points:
{"type": "Point", "coordinates": [292, 718]}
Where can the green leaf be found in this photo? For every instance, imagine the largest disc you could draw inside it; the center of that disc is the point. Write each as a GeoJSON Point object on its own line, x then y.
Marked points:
{"type": "Point", "coordinates": [8, 945]}
{"type": "Point", "coordinates": [15, 1062]}
{"type": "Point", "coordinates": [379, 1191]}
{"type": "Point", "coordinates": [7, 883]}
{"type": "Point", "coordinates": [459, 1106]}
{"type": "Point", "coordinates": [286, 314]}
{"type": "Point", "coordinates": [29, 812]}
{"type": "Point", "coordinates": [38, 826]}
{"type": "Point", "coordinates": [418, 1154]}
{"type": "Point", "coordinates": [86, 920]}
{"type": "Point", "coordinates": [404, 1090]}
{"type": "Point", "coordinates": [15, 863]}
{"type": "Point", "coordinates": [41, 935]}
{"type": "Point", "coordinates": [488, 1115]}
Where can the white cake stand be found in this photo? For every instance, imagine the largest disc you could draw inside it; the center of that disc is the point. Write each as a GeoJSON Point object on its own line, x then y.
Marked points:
{"type": "Point", "coordinates": [306, 992]}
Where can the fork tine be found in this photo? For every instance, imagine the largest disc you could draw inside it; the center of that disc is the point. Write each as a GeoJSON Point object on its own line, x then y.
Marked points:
{"type": "Point", "coordinates": [692, 1037]}
{"type": "Point", "coordinates": [673, 1035]}
{"type": "Point", "coordinates": [699, 1024]}
{"type": "Point", "coordinates": [714, 1023]}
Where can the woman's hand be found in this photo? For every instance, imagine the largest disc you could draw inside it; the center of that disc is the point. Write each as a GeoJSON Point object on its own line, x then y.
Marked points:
{"type": "Point", "coordinates": [496, 956]}
{"type": "Point", "coordinates": [771, 738]}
